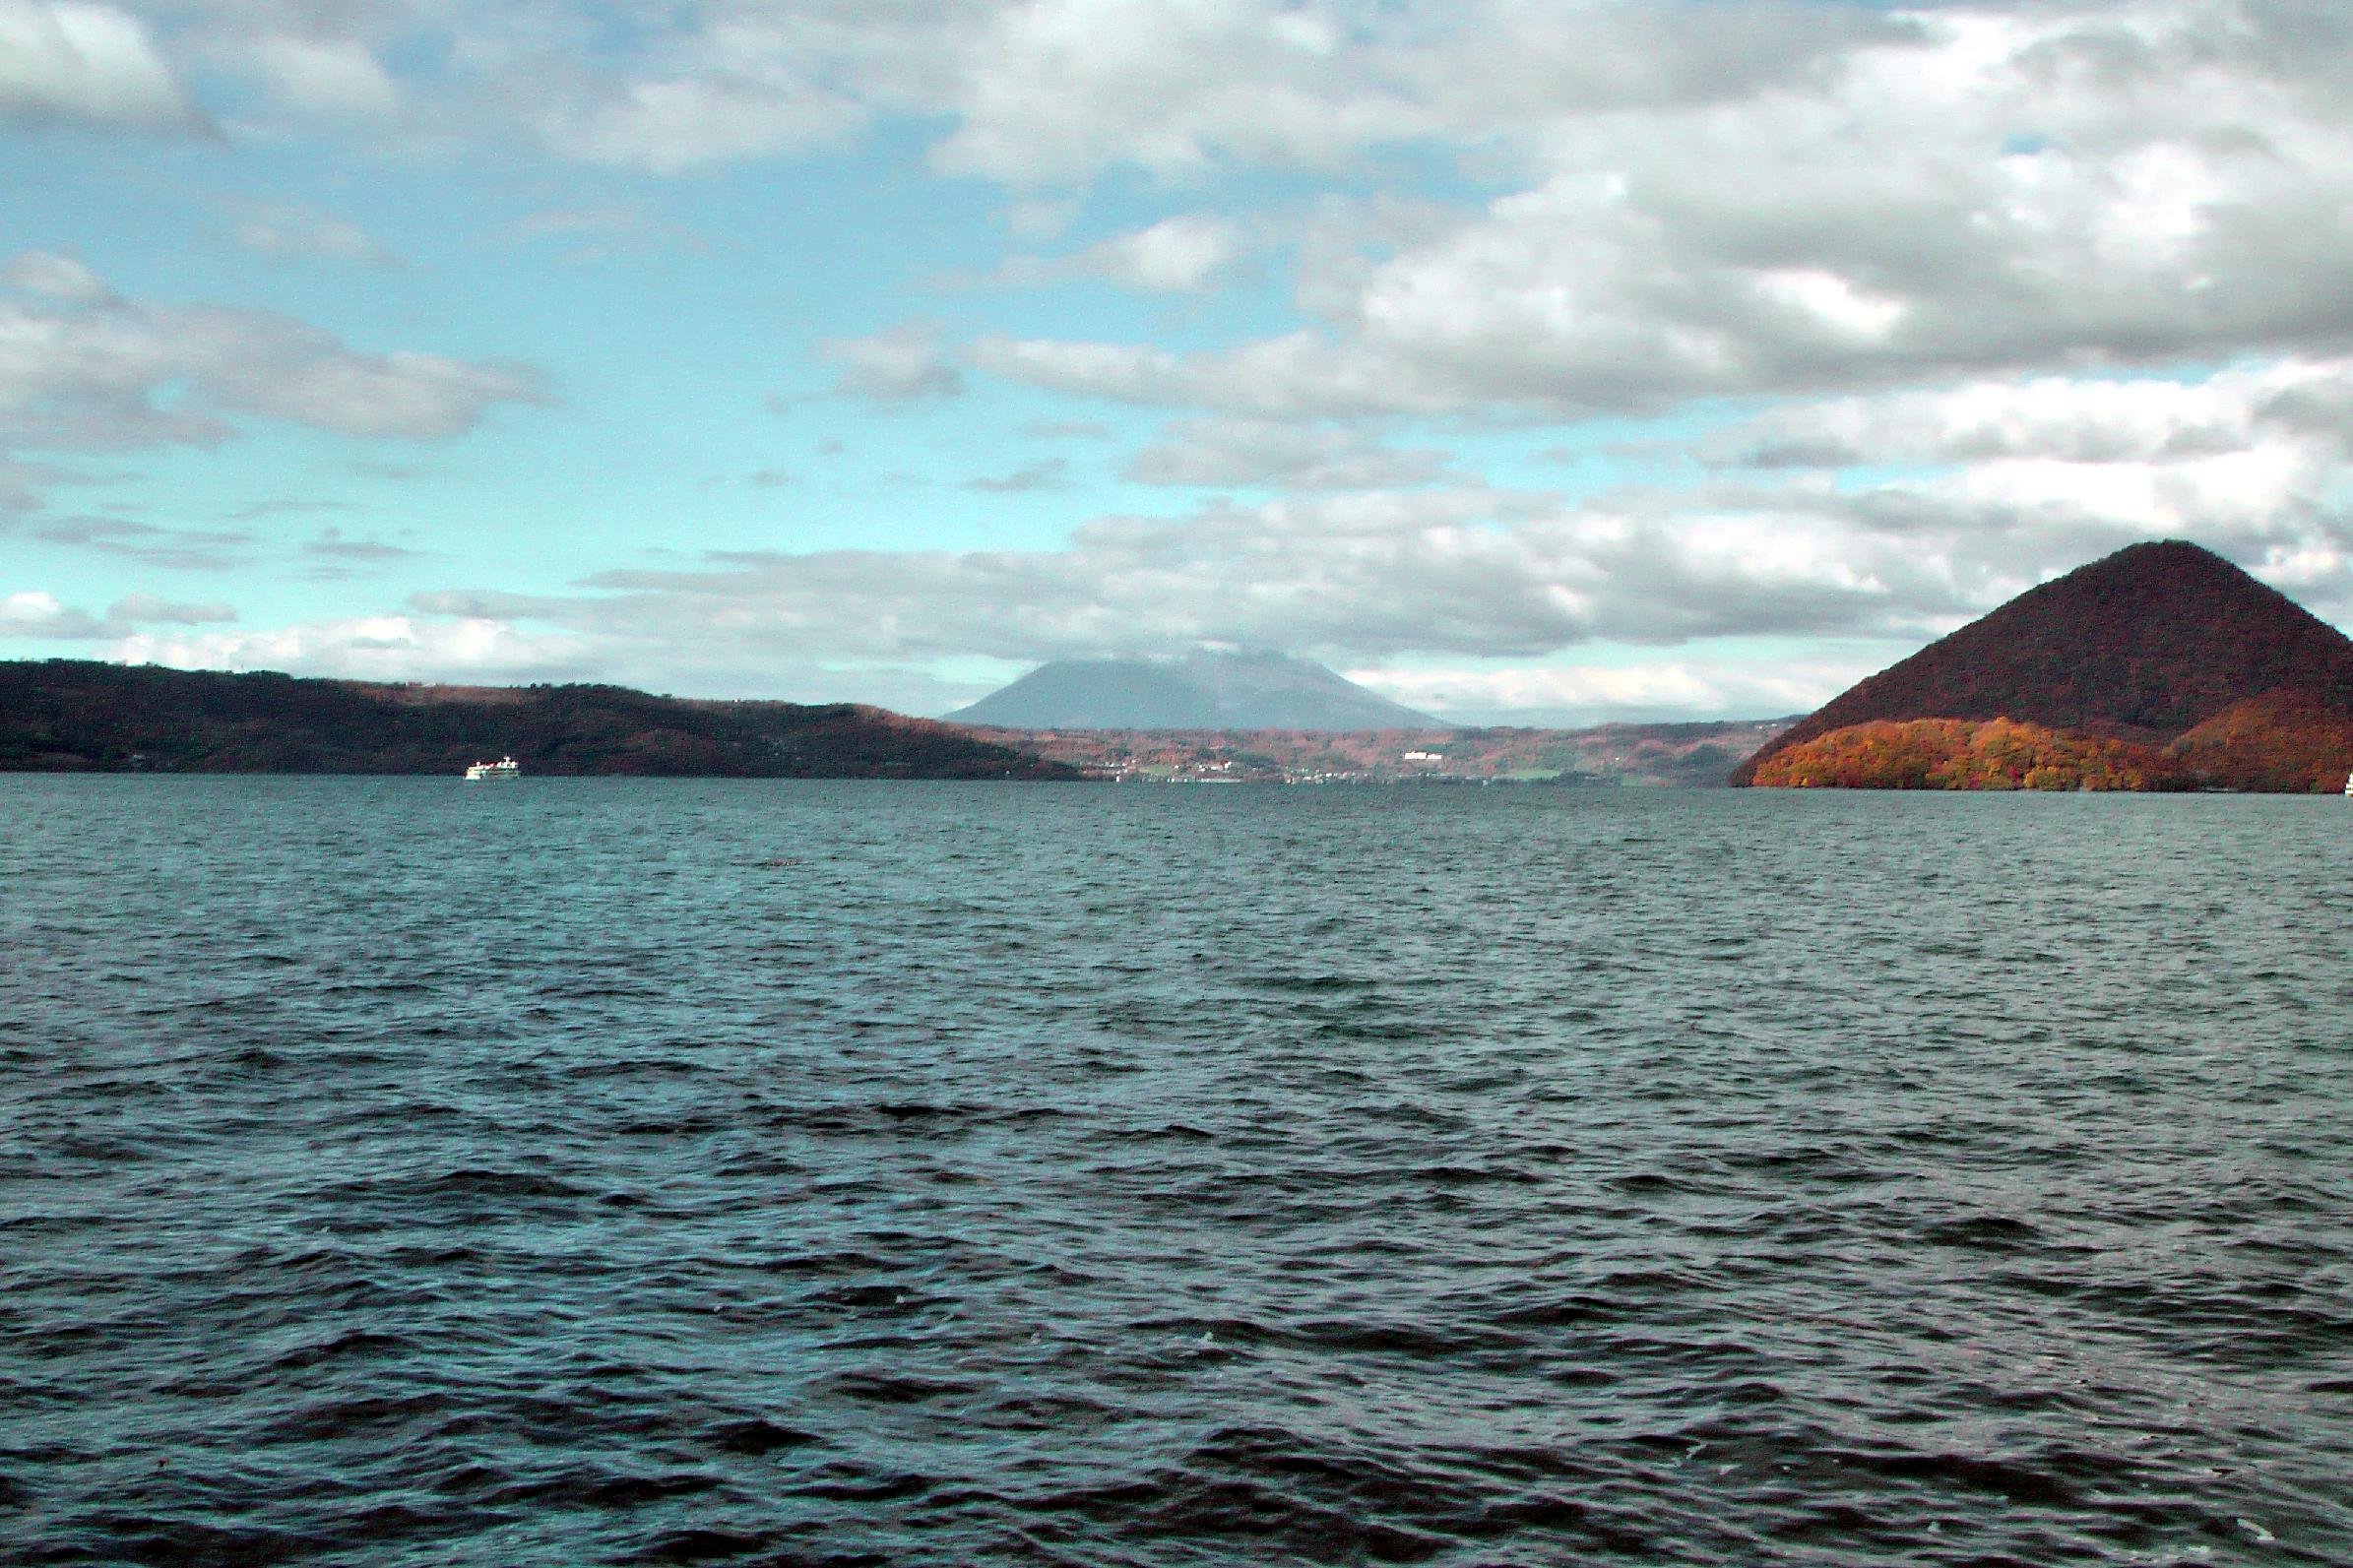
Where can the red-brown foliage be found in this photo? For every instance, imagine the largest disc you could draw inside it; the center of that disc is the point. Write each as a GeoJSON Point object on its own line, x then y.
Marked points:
{"type": "Point", "coordinates": [1962, 754]}
{"type": "Point", "coordinates": [2281, 742]}
{"type": "Point", "coordinates": [2143, 645]}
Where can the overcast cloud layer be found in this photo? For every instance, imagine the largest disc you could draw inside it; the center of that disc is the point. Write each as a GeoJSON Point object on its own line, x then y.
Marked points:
{"type": "Point", "coordinates": [1524, 358]}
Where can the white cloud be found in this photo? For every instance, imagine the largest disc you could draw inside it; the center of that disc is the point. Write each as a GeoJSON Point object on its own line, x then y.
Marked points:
{"type": "Point", "coordinates": [53, 277]}
{"type": "Point", "coordinates": [2001, 248]}
{"type": "Point", "coordinates": [326, 76]}
{"type": "Point", "coordinates": [901, 364]}
{"type": "Point", "coordinates": [30, 613]}
{"type": "Point", "coordinates": [367, 647]}
{"type": "Point", "coordinates": [1058, 89]}
{"type": "Point", "coordinates": [1299, 375]}
{"type": "Point", "coordinates": [85, 370]}
{"type": "Point", "coordinates": [148, 543]}
{"type": "Point", "coordinates": [1283, 455]}
{"type": "Point", "coordinates": [687, 122]}
{"type": "Point", "coordinates": [1050, 474]}
{"type": "Point", "coordinates": [1068, 430]}
{"type": "Point", "coordinates": [94, 372]}
{"type": "Point", "coordinates": [1179, 255]}
{"type": "Point", "coordinates": [725, 81]}
{"type": "Point", "coordinates": [149, 607]}
{"type": "Point", "coordinates": [1399, 580]}
{"type": "Point", "coordinates": [69, 62]}
{"type": "Point", "coordinates": [290, 233]}
{"type": "Point", "coordinates": [1031, 92]}
{"type": "Point", "coordinates": [2253, 460]}
{"type": "Point", "coordinates": [306, 377]}
{"type": "Point", "coordinates": [2061, 418]}
{"type": "Point", "coordinates": [1372, 574]}
{"type": "Point", "coordinates": [1580, 694]}
{"type": "Point", "coordinates": [21, 485]}
{"type": "Point", "coordinates": [606, 229]}
{"type": "Point", "coordinates": [1960, 192]}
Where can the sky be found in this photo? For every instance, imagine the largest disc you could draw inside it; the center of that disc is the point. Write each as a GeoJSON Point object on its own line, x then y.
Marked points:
{"type": "Point", "coordinates": [1530, 361]}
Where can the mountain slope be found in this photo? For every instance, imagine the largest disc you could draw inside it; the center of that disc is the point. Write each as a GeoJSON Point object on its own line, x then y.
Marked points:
{"type": "Point", "coordinates": [2142, 645]}
{"type": "Point", "coordinates": [1199, 691]}
{"type": "Point", "coordinates": [65, 714]}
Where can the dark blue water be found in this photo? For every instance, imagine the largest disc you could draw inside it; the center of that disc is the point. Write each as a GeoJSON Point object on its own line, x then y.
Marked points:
{"type": "Point", "coordinates": [398, 1172]}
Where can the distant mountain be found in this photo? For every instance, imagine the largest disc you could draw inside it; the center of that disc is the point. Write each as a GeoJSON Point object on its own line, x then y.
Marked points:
{"type": "Point", "coordinates": [1198, 691]}
{"type": "Point", "coordinates": [64, 714]}
{"type": "Point", "coordinates": [2143, 646]}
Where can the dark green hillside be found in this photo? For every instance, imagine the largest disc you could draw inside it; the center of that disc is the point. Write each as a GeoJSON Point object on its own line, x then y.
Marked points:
{"type": "Point", "coordinates": [77, 716]}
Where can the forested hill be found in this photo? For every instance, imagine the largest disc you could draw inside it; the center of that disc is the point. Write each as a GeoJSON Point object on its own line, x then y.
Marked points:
{"type": "Point", "coordinates": [64, 714]}
{"type": "Point", "coordinates": [2144, 645]}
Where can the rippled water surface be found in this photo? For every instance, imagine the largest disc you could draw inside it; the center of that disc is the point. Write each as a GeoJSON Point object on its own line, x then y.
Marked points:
{"type": "Point", "coordinates": [394, 1171]}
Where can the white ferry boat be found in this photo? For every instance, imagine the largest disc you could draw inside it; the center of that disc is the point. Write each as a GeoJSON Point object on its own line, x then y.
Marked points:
{"type": "Point", "coordinates": [504, 768]}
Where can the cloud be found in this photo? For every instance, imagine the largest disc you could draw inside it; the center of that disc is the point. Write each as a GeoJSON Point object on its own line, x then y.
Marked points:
{"type": "Point", "coordinates": [2253, 459]}
{"type": "Point", "coordinates": [367, 647]}
{"type": "Point", "coordinates": [335, 77]}
{"type": "Point", "coordinates": [1053, 474]}
{"type": "Point", "coordinates": [20, 486]}
{"type": "Point", "coordinates": [147, 608]}
{"type": "Point", "coordinates": [1058, 89]}
{"type": "Point", "coordinates": [1278, 455]}
{"type": "Point", "coordinates": [333, 546]}
{"type": "Point", "coordinates": [1068, 430]}
{"type": "Point", "coordinates": [1959, 296]}
{"type": "Point", "coordinates": [1179, 255]}
{"type": "Point", "coordinates": [1174, 255]}
{"type": "Point", "coordinates": [85, 370]}
{"type": "Point", "coordinates": [284, 506]}
{"type": "Point", "coordinates": [1299, 375]}
{"type": "Point", "coordinates": [610, 230]}
{"type": "Point", "coordinates": [904, 363]}
{"type": "Point", "coordinates": [684, 123]}
{"type": "Point", "coordinates": [304, 376]}
{"type": "Point", "coordinates": [1370, 574]}
{"type": "Point", "coordinates": [1062, 89]}
{"type": "Point", "coordinates": [2060, 418]}
{"type": "Point", "coordinates": [1398, 579]}
{"type": "Point", "coordinates": [1966, 191]}
{"type": "Point", "coordinates": [38, 614]}
{"type": "Point", "coordinates": [299, 234]}
{"type": "Point", "coordinates": [148, 544]}
{"type": "Point", "coordinates": [66, 62]}
{"type": "Point", "coordinates": [1028, 93]}
{"type": "Point", "coordinates": [1572, 695]}
{"type": "Point", "coordinates": [690, 87]}
{"type": "Point", "coordinates": [92, 371]}
{"type": "Point", "coordinates": [53, 277]}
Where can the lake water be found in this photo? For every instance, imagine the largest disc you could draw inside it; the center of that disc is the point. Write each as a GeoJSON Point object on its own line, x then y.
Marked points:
{"type": "Point", "coordinates": [397, 1172]}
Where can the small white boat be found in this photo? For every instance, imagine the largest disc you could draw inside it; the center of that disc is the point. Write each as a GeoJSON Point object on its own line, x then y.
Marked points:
{"type": "Point", "coordinates": [2349, 783]}
{"type": "Point", "coordinates": [504, 768]}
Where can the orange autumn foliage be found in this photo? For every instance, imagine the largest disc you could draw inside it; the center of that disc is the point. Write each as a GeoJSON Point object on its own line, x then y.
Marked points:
{"type": "Point", "coordinates": [1966, 754]}
{"type": "Point", "coordinates": [2144, 645]}
{"type": "Point", "coordinates": [2281, 742]}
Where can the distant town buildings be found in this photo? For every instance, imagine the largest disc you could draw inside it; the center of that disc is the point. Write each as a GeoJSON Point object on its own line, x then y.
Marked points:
{"type": "Point", "coordinates": [1632, 754]}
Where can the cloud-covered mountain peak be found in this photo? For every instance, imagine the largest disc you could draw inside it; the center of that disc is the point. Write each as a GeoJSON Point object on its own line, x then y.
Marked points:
{"type": "Point", "coordinates": [1206, 689]}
